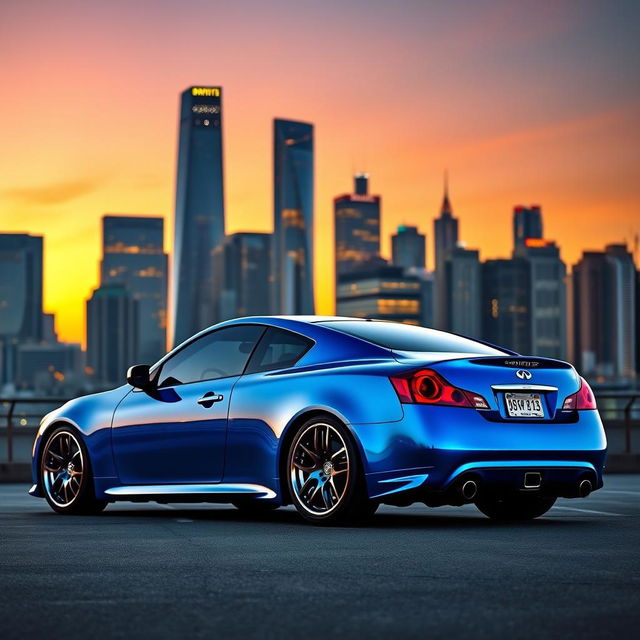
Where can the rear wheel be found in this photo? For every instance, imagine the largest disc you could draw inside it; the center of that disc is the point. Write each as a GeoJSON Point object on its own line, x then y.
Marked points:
{"type": "Point", "coordinates": [524, 507]}
{"type": "Point", "coordinates": [65, 474]}
{"type": "Point", "coordinates": [324, 475]}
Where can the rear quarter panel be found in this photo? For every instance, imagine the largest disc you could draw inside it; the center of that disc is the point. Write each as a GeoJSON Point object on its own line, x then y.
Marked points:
{"type": "Point", "coordinates": [265, 405]}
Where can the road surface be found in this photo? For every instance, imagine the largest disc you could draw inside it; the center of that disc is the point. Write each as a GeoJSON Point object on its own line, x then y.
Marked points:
{"type": "Point", "coordinates": [185, 571]}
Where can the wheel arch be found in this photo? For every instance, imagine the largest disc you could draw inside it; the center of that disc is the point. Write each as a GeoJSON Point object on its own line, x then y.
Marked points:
{"type": "Point", "coordinates": [287, 437]}
{"type": "Point", "coordinates": [43, 436]}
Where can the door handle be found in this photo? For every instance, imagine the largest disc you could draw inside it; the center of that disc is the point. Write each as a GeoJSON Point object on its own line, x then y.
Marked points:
{"type": "Point", "coordinates": [209, 398]}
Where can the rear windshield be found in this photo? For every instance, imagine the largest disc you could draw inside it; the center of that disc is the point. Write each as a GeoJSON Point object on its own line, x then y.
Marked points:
{"type": "Point", "coordinates": [405, 337]}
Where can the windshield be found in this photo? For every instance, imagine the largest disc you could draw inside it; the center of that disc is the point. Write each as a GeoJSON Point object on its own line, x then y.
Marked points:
{"type": "Point", "coordinates": [405, 337]}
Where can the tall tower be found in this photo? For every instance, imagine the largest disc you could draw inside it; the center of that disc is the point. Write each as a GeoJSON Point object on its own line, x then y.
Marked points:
{"type": "Point", "coordinates": [133, 255]}
{"type": "Point", "coordinates": [293, 217]}
{"type": "Point", "coordinates": [446, 239]}
{"type": "Point", "coordinates": [21, 317]}
{"type": "Point", "coordinates": [357, 228]}
{"type": "Point", "coordinates": [199, 217]}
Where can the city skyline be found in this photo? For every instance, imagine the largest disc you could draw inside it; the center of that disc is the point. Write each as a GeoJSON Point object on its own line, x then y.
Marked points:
{"type": "Point", "coordinates": [523, 104]}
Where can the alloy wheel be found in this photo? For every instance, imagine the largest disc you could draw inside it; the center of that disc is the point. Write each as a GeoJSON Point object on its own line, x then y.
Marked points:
{"type": "Point", "coordinates": [63, 468]}
{"type": "Point", "coordinates": [319, 468]}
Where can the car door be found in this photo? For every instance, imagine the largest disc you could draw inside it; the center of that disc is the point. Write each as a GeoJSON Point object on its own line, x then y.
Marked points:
{"type": "Point", "coordinates": [175, 432]}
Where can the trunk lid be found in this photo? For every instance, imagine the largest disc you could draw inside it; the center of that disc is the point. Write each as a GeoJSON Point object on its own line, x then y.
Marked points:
{"type": "Point", "coordinates": [510, 384]}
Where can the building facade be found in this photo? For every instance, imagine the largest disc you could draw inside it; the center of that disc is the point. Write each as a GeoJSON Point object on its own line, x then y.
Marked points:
{"type": "Point", "coordinates": [133, 255]}
{"type": "Point", "coordinates": [462, 293]}
{"type": "Point", "coordinates": [604, 314]}
{"type": "Point", "coordinates": [293, 193]}
{"type": "Point", "coordinates": [112, 320]}
{"type": "Point", "coordinates": [506, 299]}
{"type": "Point", "coordinates": [548, 298]}
{"type": "Point", "coordinates": [408, 248]}
{"type": "Point", "coordinates": [527, 224]}
{"type": "Point", "coordinates": [243, 270]}
{"type": "Point", "coordinates": [21, 317]}
{"type": "Point", "coordinates": [386, 293]}
{"type": "Point", "coordinates": [356, 228]}
{"type": "Point", "coordinates": [199, 211]}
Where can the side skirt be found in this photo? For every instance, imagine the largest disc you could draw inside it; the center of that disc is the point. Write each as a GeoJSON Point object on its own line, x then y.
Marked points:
{"type": "Point", "coordinates": [190, 492]}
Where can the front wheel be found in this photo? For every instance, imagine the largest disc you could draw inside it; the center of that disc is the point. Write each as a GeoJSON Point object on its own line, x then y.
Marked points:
{"type": "Point", "coordinates": [523, 507]}
{"type": "Point", "coordinates": [65, 473]}
{"type": "Point", "coordinates": [324, 475]}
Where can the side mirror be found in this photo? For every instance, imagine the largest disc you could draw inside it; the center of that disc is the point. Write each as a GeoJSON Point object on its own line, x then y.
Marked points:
{"type": "Point", "coordinates": [138, 376]}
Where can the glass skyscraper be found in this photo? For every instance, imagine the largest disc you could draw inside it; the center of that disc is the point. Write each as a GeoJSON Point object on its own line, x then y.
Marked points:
{"type": "Point", "coordinates": [21, 317]}
{"type": "Point", "coordinates": [357, 228]}
{"type": "Point", "coordinates": [133, 255]}
{"type": "Point", "coordinates": [112, 318]}
{"type": "Point", "coordinates": [293, 217]}
{"type": "Point", "coordinates": [242, 274]}
{"type": "Point", "coordinates": [199, 216]}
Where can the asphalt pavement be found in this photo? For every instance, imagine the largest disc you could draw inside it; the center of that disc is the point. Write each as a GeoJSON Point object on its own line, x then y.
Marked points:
{"type": "Point", "coordinates": [185, 571]}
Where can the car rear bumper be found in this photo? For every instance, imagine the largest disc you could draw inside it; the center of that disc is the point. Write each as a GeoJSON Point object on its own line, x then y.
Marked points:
{"type": "Point", "coordinates": [433, 447]}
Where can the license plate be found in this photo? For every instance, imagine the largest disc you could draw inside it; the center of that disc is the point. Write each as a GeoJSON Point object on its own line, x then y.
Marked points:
{"type": "Point", "coordinates": [524, 405]}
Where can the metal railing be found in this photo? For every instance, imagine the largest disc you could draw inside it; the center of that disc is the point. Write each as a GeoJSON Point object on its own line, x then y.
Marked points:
{"type": "Point", "coordinates": [612, 404]}
{"type": "Point", "coordinates": [618, 410]}
{"type": "Point", "coordinates": [24, 418]}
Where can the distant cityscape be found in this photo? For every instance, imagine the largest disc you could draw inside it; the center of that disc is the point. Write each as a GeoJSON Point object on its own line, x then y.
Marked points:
{"type": "Point", "coordinates": [529, 301]}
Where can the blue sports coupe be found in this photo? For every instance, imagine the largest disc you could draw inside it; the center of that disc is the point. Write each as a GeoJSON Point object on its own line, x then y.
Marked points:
{"type": "Point", "coordinates": [334, 415]}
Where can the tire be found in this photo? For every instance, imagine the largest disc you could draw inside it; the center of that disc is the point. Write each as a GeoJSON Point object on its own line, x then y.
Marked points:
{"type": "Point", "coordinates": [324, 474]}
{"type": "Point", "coordinates": [525, 507]}
{"type": "Point", "coordinates": [255, 507]}
{"type": "Point", "coordinates": [65, 474]}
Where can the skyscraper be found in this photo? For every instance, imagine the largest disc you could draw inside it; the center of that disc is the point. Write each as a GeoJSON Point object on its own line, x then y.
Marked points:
{"type": "Point", "coordinates": [445, 240]}
{"type": "Point", "coordinates": [604, 313]}
{"type": "Point", "coordinates": [506, 299]}
{"type": "Point", "coordinates": [133, 256]}
{"type": "Point", "coordinates": [243, 268]}
{"type": "Point", "coordinates": [462, 295]}
{"type": "Point", "coordinates": [111, 333]}
{"type": "Point", "coordinates": [356, 228]}
{"type": "Point", "coordinates": [548, 298]}
{"type": "Point", "coordinates": [199, 217]}
{"type": "Point", "coordinates": [21, 318]}
{"type": "Point", "coordinates": [293, 217]}
{"type": "Point", "coordinates": [408, 248]}
{"type": "Point", "coordinates": [527, 223]}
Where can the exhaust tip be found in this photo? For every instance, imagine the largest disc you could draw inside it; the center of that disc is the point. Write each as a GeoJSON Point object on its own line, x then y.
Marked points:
{"type": "Point", "coordinates": [469, 489]}
{"type": "Point", "coordinates": [585, 488]}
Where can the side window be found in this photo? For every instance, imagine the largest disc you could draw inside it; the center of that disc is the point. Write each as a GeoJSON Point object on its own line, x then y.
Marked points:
{"type": "Point", "coordinates": [278, 349]}
{"type": "Point", "coordinates": [219, 354]}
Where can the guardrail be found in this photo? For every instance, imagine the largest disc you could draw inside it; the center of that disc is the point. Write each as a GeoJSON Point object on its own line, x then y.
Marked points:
{"type": "Point", "coordinates": [626, 403]}
{"type": "Point", "coordinates": [25, 418]}
{"type": "Point", "coordinates": [618, 409]}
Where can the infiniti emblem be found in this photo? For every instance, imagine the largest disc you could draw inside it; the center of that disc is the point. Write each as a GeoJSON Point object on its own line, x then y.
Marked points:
{"type": "Point", "coordinates": [523, 374]}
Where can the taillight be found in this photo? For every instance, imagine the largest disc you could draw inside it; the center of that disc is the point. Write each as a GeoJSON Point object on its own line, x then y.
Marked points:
{"type": "Point", "coordinates": [428, 387]}
{"type": "Point", "coordinates": [582, 399]}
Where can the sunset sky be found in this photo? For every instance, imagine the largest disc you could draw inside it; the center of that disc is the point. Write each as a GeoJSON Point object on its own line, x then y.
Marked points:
{"type": "Point", "coordinates": [523, 102]}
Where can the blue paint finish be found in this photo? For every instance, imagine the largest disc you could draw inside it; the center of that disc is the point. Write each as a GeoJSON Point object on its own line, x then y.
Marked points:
{"type": "Point", "coordinates": [403, 483]}
{"type": "Point", "coordinates": [169, 437]}
{"type": "Point", "coordinates": [166, 439]}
